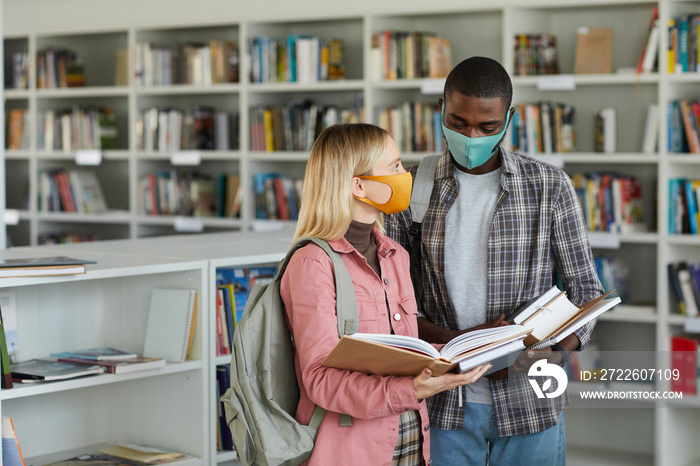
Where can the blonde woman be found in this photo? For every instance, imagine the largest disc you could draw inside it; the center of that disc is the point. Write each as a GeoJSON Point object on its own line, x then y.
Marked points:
{"type": "Point", "coordinates": [353, 174]}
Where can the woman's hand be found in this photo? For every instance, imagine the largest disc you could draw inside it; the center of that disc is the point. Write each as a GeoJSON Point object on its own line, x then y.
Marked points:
{"type": "Point", "coordinates": [425, 385]}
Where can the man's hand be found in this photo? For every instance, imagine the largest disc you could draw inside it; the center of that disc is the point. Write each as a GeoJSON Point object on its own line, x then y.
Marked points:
{"type": "Point", "coordinates": [433, 334]}
{"type": "Point", "coordinates": [529, 357]}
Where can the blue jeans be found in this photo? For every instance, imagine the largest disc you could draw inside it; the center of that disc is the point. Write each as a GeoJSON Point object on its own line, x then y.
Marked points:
{"type": "Point", "coordinates": [478, 443]}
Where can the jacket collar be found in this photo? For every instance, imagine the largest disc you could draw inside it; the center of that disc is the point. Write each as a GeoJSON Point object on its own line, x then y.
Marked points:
{"type": "Point", "coordinates": [445, 168]}
{"type": "Point", "coordinates": [385, 247]}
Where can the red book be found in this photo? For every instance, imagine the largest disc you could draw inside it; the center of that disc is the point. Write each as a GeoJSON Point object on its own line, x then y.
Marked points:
{"type": "Point", "coordinates": [684, 359]}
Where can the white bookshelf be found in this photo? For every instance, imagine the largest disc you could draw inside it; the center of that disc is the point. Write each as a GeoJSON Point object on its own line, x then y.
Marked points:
{"type": "Point", "coordinates": [646, 324]}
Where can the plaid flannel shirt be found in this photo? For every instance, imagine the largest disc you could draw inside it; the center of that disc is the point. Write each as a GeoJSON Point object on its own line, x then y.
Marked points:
{"type": "Point", "coordinates": [538, 226]}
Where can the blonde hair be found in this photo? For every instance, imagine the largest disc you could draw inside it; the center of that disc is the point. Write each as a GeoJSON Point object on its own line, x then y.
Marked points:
{"type": "Point", "coordinates": [340, 153]}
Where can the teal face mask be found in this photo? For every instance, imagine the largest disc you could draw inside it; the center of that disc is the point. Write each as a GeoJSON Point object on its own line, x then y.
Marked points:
{"type": "Point", "coordinates": [471, 152]}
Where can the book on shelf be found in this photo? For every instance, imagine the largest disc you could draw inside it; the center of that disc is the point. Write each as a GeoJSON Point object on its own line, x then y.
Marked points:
{"type": "Point", "coordinates": [92, 456]}
{"type": "Point", "coordinates": [593, 50]}
{"type": "Point", "coordinates": [543, 127]}
{"type": "Point", "coordinates": [11, 452]}
{"type": "Point", "coordinates": [223, 382]}
{"type": "Point", "coordinates": [121, 366]}
{"type": "Point", "coordinates": [5, 371]}
{"type": "Point", "coordinates": [142, 454]}
{"type": "Point", "coordinates": [8, 315]}
{"type": "Point", "coordinates": [42, 266]}
{"type": "Point", "coordinates": [103, 353]}
{"type": "Point", "coordinates": [46, 370]}
{"type": "Point", "coordinates": [171, 323]}
{"type": "Point", "coordinates": [606, 130]}
{"type": "Point", "coordinates": [401, 355]}
{"type": "Point", "coordinates": [684, 281]}
{"type": "Point", "coordinates": [684, 203]}
{"type": "Point", "coordinates": [684, 358]}
{"type": "Point", "coordinates": [610, 202]}
{"type": "Point", "coordinates": [648, 59]}
{"type": "Point", "coordinates": [651, 130]}
{"type": "Point", "coordinates": [535, 54]}
{"type": "Point", "coordinates": [551, 317]}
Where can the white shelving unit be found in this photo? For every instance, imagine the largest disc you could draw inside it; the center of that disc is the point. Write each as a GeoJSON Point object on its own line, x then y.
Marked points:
{"type": "Point", "coordinates": [653, 433]}
{"type": "Point", "coordinates": [109, 306]}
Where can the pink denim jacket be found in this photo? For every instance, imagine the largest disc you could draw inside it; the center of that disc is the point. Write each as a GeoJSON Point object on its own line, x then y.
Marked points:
{"type": "Point", "coordinates": [374, 402]}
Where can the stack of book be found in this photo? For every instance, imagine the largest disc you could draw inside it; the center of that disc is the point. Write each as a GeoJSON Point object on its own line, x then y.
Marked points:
{"type": "Point", "coordinates": [128, 454]}
{"type": "Point", "coordinates": [86, 127]}
{"type": "Point", "coordinates": [18, 129]}
{"type": "Point", "coordinates": [296, 59]}
{"type": "Point", "coordinates": [59, 68]}
{"type": "Point", "coordinates": [20, 70]}
{"type": "Point", "coordinates": [684, 278]}
{"type": "Point", "coordinates": [414, 126]}
{"type": "Point", "coordinates": [187, 63]}
{"type": "Point", "coordinates": [189, 193]}
{"type": "Point", "coordinates": [683, 56]}
{"type": "Point", "coordinates": [610, 202]}
{"type": "Point", "coordinates": [77, 191]}
{"type": "Point", "coordinates": [295, 125]}
{"type": "Point", "coordinates": [166, 129]}
{"type": "Point", "coordinates": [113, 360]}
{"type": "Point", "coordinates": [535, 54]}
{"type": "Point", "coordinates": [42, 266]}
{"type": "Point", "coordinates": [543, 128]}
{"type": "Point", "coordinates": [407, 55]}
{"type": "Point", "coordinates": [684, 120]}
{"type": "Point", "coordinates": [684, 203]}
{"type": "Point", "coordinates": [276, 197]}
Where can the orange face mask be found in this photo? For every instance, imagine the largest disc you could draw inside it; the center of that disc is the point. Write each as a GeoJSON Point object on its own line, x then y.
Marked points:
{"type": "Point", "coordinates": [400, 192]}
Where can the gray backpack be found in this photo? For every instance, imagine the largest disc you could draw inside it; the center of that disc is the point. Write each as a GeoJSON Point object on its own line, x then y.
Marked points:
{"type": "Point", "coordinates": [261, 403]}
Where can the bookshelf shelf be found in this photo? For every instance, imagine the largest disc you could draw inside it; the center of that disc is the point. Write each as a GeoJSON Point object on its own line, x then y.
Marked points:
{"type": "Point", "coordinates": [321, 86]}
{"type": "Point", "coordinates": [17, 94]}
{"type": "Point", "coordinates": [188, 89]}
{"type": "Point", "coordinates": [550, 81]}
{"type": "Point", "coordinates": [107, 217]}
{"type": "Point", "coordinates": [684, 159]}
{"type": "Point", "coordinates": [600, 158]}
{"type": "Point", "coordinates": [72, 155]}
{"type": "Point", "coordinates": [631, 313]}
{"type": "Point", "coordinates": [88, 91]}
{"type": "Point", "coordinates": [28, 390]}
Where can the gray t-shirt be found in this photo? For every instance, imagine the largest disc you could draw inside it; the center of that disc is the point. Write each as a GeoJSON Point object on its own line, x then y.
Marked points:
{"type": "Point", "coordinates": [467, 228]}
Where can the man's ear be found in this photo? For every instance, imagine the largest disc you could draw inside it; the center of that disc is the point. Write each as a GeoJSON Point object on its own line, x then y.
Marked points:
{"type": "Point", "coordinates": [440, 102]}
{"type": "Point", "coordinates": [358, 187]}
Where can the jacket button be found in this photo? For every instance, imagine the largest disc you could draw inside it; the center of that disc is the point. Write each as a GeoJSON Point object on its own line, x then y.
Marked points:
{"type": "Point", "coordinates": [386, 281]}
{"type": "Point", "coordinates": [427, 427]}
{"type": "Point", "coordinates": [397, 316]}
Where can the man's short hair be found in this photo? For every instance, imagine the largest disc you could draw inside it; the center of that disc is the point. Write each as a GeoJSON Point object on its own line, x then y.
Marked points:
{"type": "Point", "coordinates": [480, 77]}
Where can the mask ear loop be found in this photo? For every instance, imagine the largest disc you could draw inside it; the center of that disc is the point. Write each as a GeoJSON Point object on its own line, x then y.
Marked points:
{"type": "Point", "coordinates": [505, 130]}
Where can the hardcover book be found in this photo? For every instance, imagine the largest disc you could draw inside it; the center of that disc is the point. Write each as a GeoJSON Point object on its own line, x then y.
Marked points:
{"type": "Point", "coordinates": [551, 317]}
{"type": "Point", "coordinates": [401, 355]}
{"type": "Point", "coordinates": [97, 354]}
{"type": "Point", "coordinates": [121, 366]}
{"type": "Point", "coordinates": [42, 266]}
{"type": "Point", "coordinates": [45, 370]}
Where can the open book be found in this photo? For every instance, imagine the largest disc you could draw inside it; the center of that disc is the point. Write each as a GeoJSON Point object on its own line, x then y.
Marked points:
{"type": "Point", "coordinates": [385, 354]}
{"type": "Point", "coordinates": [552, 317]}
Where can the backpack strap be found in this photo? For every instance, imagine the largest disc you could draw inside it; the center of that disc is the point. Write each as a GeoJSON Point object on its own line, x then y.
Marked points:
{"type": "Point", "coordinates": [345, 308]}
{"type": "Point", "coordinates": [423, 187]}
{"type": "Point", "coordinates": [420, 200]}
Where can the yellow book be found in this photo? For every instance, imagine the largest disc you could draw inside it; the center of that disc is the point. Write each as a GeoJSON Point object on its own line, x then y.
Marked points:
{"type": "Point", "coordinates": [671, 52]}
{"type": "Point", "coordinates": [269, 136]}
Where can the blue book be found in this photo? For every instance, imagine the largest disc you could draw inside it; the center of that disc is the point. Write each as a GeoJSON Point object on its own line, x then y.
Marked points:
{"type": "Point", "coordinates": [691, 205]}
{"type": "Point", "coordinates": [683, 37]}
{"type": "Point", "coordinates": [97, 354]}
